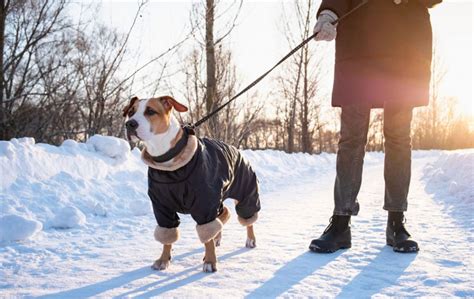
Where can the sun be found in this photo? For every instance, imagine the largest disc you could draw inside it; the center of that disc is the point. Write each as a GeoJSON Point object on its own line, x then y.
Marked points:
{"type": "Point", "coordinates": [453, 42]}
{"type": "Point", "coordinates": [461, 91]}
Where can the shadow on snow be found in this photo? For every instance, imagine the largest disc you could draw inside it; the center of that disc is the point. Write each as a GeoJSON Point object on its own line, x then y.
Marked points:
{"type": "Point", "coordinates": [125, 278]}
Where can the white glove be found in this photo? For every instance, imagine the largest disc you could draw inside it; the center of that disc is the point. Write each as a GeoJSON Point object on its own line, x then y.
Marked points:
{"type": "Point", "coordinates": [326, 31]}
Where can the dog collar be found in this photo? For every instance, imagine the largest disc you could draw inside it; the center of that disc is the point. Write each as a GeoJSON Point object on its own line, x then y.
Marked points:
{"type": "Point", "coordinates": [174, 151]}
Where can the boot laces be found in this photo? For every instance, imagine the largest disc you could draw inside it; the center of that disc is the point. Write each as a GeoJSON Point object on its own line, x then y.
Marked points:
{"type": "Point", "coordinates": [330, 225]}
{"type": "Point", "coordinates": [400, 228]}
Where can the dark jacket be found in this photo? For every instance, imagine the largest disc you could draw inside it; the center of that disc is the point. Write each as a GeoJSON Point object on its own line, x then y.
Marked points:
{"type": "Point", "coordinates": [217, 171]}
{"type": "Point", "coordinates": [383, 52]}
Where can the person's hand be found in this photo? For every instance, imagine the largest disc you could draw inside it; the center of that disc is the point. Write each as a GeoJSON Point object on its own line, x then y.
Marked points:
{"type": "Point", "coordinates": [324, 27]}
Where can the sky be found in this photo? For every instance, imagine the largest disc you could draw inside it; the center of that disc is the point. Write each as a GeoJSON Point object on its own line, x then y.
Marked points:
{"type": "Point", "coordinates": [258, 40]}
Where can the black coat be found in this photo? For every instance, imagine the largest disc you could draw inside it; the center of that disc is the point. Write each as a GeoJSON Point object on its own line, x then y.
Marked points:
{"type": "Point", "coordinates": [383, 52]}
{"type": "Point", "coordinates": [217, 171]}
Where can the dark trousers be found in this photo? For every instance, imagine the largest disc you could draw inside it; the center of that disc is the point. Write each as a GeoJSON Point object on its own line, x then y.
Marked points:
{"type": "Point", "coordinates": [350, 157]}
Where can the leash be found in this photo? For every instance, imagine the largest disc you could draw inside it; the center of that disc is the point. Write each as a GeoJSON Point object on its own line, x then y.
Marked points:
{"type": "Point", "coordinates": [215, 111]}
{"type": "Point", "coordinates": [188, 129]}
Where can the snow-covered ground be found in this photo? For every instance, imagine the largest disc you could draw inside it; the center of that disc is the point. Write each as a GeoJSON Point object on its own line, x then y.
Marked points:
{"type": "Point", "coordinates": [75, 221]}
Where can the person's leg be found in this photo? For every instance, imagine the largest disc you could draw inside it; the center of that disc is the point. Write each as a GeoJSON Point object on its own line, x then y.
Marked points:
{"type": "Point", "coordinates": [350, 157]}
{"type": "Point", "coordinates": [397, 173]}
{"type": "Point", "coordinates": [397, 169]}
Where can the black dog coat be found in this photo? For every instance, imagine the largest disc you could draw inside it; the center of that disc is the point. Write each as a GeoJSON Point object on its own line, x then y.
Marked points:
{"type": "Point", "coordinates": [217, 171]}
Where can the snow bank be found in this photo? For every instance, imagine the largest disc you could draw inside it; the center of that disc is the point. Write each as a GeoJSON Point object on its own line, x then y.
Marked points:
{"type": "Point", "coordinates": [77, 184]}
{"type": "Point", "coordinates": [452, 175]}
{"type": "Point", "coordinates": [62, 187]}
{"type": "Point", "coordinates": [69, 217]}
{"type": "Point", "coordinates": [274, 168]}
{"type": "Point", "coordinates": [450, 179]}
{"type": "Point", "coordinates": [112, 147]}
{"type": "Point", "coordinates": [17, 228]}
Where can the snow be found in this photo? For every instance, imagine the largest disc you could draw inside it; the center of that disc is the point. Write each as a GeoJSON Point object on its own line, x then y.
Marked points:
{"type": "Point", "coordinates": [69, 217]}
{"type": "Point", "coordinates": [17, 228]}
{"type": "Point", "coordinates": [450, 180]}
{"type": "Point", "coordinates": [114, 148]}
{"type": "Point", "coordinates": [452, 174]}
{"type": "Point", "coordinates": [76, 221]}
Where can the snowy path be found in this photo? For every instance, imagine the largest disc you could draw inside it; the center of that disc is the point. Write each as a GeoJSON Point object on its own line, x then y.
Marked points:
{"type": "Point", "coordinates": [112, 257]}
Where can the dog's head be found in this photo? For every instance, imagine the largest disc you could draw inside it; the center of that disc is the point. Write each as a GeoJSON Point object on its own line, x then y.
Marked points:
{"type": "Point", "coordinates": [149, 117]}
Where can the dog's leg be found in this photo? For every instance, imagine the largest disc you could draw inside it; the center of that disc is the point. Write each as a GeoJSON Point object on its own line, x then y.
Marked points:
{"type": "Point", "coordinates": [251, 240]}
{"type": "Point", "coordinates": [217, 239]}
{"type": "Point", "coordinates": [164, 261]}
{"type": "Point", "coordinates": [248, 223]}
{"type": "Point", "coordinates": [210, 259]}
{"type": "Point", "coordinates": [223, 217]}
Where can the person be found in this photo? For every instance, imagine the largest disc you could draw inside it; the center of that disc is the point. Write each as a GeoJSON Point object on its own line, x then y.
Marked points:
{"type": "Point", "coordinates": [383, 60]}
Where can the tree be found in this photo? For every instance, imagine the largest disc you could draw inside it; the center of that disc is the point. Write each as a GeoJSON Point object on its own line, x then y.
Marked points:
{"type": "Point", "coordinates": [299, 83]}
{"type": "Point", "coordinates": [432, 126]}
{"type": "Point", "coordinates": [375, 138]}
{"type": "Point", "coordinates": [211, 91]}
{"type": "Point", "coordinates": [27, 29]}
{"type": "Point", "coordinates": [62, 79]}
{"type": "Point", "coordinates": [210, 83]}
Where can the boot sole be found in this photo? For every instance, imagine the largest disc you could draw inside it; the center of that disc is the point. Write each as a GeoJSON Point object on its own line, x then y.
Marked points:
{"type": "Point", "coordinates": [396, 249]}
{"type": "Point", "coordinates": [326, 250]}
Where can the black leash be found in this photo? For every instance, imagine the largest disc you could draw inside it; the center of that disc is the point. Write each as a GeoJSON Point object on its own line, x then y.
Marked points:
{"type": "Point", "coordinates": [189, 128]}
{"type": "Point", "coordinates": [215, 111]}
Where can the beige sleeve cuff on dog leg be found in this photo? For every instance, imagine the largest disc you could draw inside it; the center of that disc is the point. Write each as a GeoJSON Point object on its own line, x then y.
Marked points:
{"type": "Point", "coordinates": [248, 221]}
{"type": "Point", "coordinates": [208, 231]}
{"type": "Point", "coordinates": [166, 236]}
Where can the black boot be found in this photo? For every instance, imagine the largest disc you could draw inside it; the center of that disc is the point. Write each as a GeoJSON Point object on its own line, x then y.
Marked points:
{"type": "Point", "coordinates": [397, 235]}
{"type": "Point", "coordinates": [336, 236]}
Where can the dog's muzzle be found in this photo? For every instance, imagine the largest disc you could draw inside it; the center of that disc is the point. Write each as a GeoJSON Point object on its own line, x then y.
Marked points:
{"type": "Point", "coordinates": [131, 127]}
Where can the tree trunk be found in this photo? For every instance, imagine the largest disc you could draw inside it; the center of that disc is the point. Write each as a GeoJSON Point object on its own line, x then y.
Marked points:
{"type": "Point", "coordinates": [305, 132]}
{"type": "Point", "coordinates": [3, 13]}
{"type": "Point", "coordinates": [292, 120]}
{"type": "Point", "coordinates": [210, 62]}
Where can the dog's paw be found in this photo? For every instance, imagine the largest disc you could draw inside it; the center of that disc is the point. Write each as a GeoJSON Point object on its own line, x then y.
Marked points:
{"type": "Point", "coordinates": [251, 243]}
{"type": "Point", "coordinates": [160, 265]}
{"type": "Point", "coordinates": [209, 267]}
{"type": "Point", "coordinates": [217, 239]}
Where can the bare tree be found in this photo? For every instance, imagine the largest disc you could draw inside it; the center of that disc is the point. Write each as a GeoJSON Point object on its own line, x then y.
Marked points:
{"type": "Point", "coordinates": [220, 76]}
{"type": "Point", "coordinates": [28, 28]}
{"type": "Point", "coordinates": [62, 79]}
{"type": "Point", "coordinates": [431, 124]}
{"type": "Point", "coordinates": [3, 14]}
{"type": "Point", "coordinates": [300, 81]}
{"type": "Point", "coordinates": [211, 79]}
{"type": "Point", "coordinates": [375, 138]}
{"type": "Point", "coordinates": [210, 61]}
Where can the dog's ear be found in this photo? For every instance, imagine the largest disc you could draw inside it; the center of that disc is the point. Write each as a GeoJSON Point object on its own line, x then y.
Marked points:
{"type": "Point", "coordinates": [127, 108]}
{"type": "Point", "coordinates": [168, 102]}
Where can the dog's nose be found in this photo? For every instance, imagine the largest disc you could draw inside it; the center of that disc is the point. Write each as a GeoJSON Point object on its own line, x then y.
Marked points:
{"type": "Point", "coordinates": [131, 124]}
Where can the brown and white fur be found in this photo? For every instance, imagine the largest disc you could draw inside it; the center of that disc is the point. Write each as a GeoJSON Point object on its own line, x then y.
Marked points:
{"type": "Point", "coordinates": [152, 122]}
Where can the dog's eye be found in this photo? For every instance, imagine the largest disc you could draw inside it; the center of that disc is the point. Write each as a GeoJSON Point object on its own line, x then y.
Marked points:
{"type": "Point", "coordinates": [131, 113]}
{"type": "Point", "coordinates": [150, 111]}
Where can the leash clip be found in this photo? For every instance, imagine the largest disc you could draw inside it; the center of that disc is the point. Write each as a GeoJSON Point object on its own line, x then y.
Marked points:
{"type": "Point", "coordinates": [189, 128]}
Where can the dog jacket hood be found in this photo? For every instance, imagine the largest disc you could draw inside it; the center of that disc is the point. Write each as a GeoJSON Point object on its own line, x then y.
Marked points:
{"type": "Point", "coordinates": [217, 171]}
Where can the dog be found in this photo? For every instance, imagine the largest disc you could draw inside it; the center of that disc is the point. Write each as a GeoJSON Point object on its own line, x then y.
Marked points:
{"type": "Point", "coordinates": [190, 175]}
